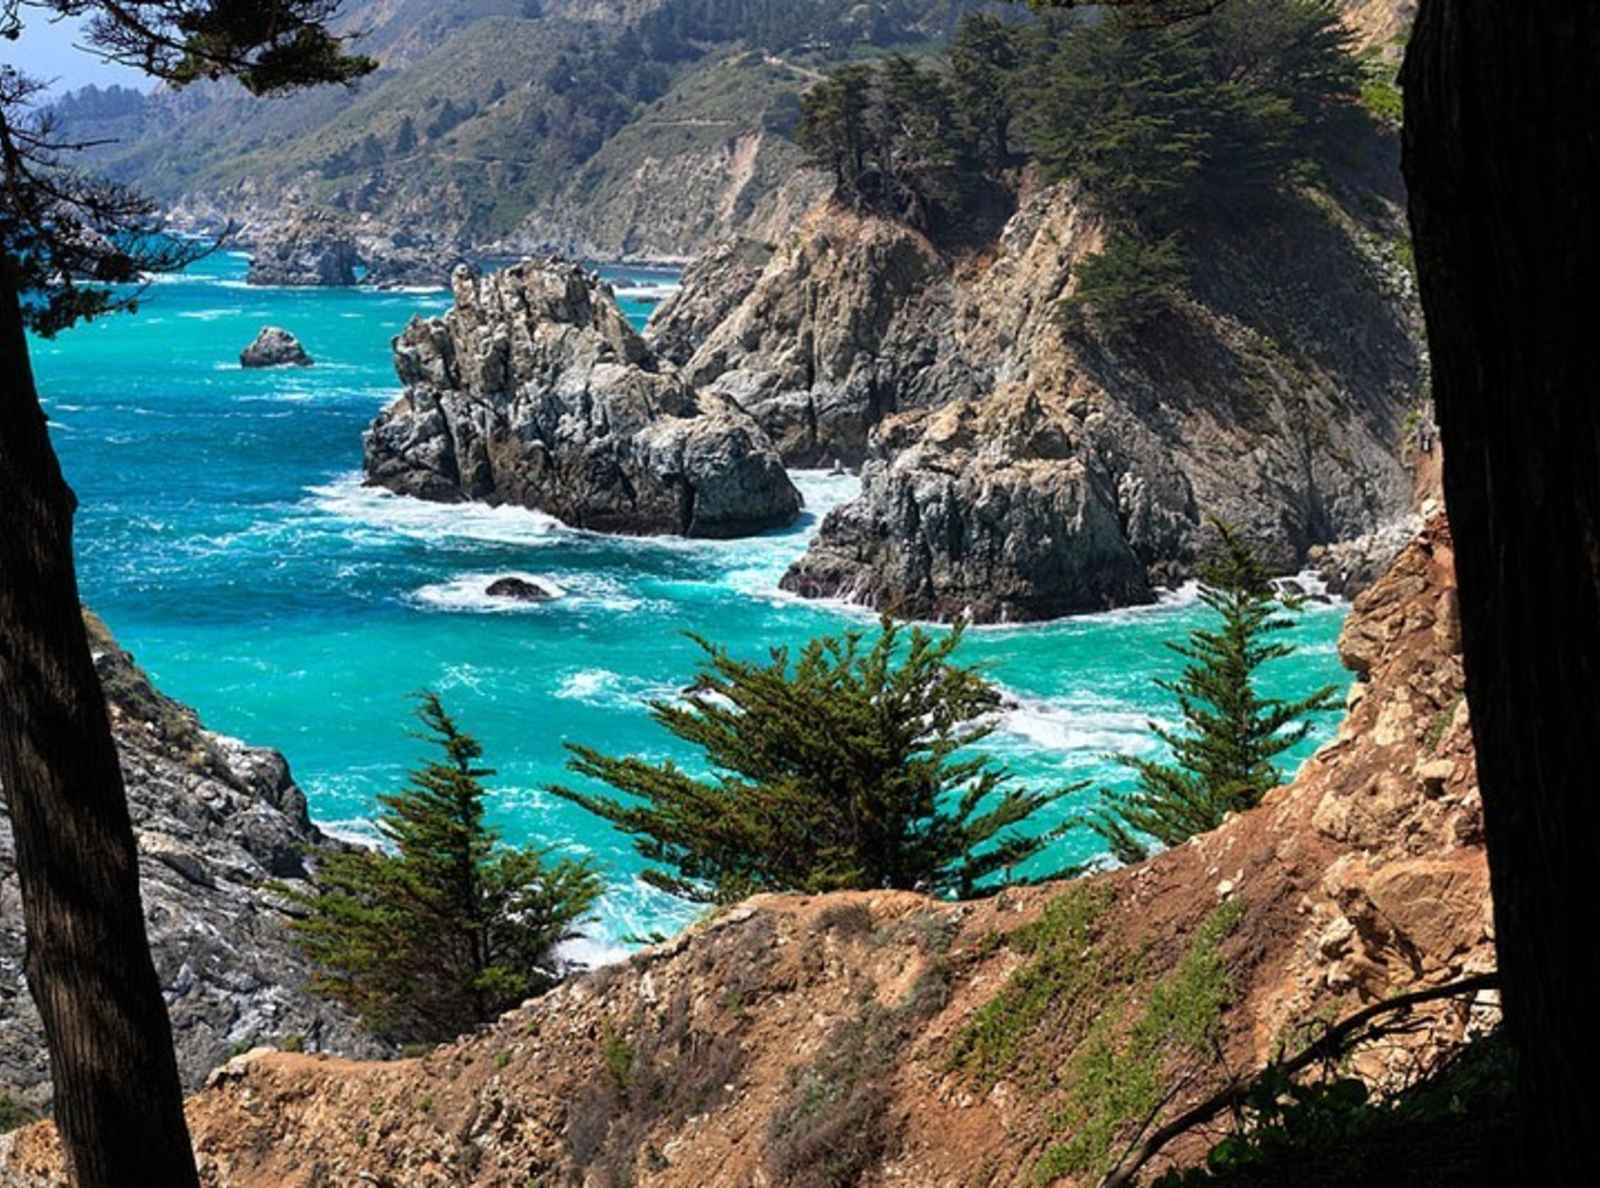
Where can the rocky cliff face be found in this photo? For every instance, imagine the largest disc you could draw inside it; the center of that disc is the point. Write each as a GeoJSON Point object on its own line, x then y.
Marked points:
{"type": "Point", "coordinates": [799, 1033]}
{"type": "Point", "coordinates": [310, 249]}
{"type": "Point", "coordinates": [215, 820]}
{"type": "Point", "coordinates": [1014, 468]}
{"type": "Point", "coordinates": [534, 390]}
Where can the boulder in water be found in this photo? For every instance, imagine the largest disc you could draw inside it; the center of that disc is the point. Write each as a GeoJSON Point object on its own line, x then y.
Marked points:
{"type": "Point", "coordinates": [274, 347]}
{"type": "Point", "coordinates": [535, 391]}
{"type": "Point", "coordinates": [515, 589]}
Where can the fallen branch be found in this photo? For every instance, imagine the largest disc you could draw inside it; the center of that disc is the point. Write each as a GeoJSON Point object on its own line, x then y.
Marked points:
{"type": "Point", "coordinates": [1333, 1041]}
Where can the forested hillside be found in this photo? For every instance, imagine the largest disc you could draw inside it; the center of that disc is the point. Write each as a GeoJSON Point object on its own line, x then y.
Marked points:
{"type": "Point", "coordinates": [603, 126]}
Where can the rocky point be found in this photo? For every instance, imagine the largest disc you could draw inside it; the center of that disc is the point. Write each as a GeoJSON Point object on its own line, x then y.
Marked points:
{"type": "Point", "coordinates": [534, 390]}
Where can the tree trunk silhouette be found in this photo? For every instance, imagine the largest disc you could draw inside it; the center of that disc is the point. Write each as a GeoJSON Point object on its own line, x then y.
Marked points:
{"type": "Point", "coordinates": [1501, 158]}
{"type": "Point", "coordinates": [118, 1101]}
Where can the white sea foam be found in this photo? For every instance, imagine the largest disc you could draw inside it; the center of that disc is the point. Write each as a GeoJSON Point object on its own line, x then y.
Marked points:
{"type": "Point", "coordinates": [418, 519]}
{"type": "Point", "coordinates": [469, 592]}
{"type": "Point", "coordinates": [1076, 723]}
{"type": "Point", "coordinates": [604, 689]}
{"type": "Point", "coordinates": [210, 315]}
{"type": "Point", "coordinates": [646, 291]}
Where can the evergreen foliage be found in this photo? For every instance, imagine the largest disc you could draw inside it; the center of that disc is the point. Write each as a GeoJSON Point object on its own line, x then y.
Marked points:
{"type": "Point", "coordinates": [1223, 759]}
{"type": "Point", "coordinates": [891, 138]}
{"type": "Point", "coordinates": [1159, 123]}
{"type": "Point", "coordinates": [445, 928]}
{"type": "Point", "coordinates": [1126, 284]}
{"type": "Point", "coordinates": [849, 769]}
{"type": "Point", "coordinates": [983, 56]}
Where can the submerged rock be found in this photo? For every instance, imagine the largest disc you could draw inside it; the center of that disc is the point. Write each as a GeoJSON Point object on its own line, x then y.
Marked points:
{"type": "Point", "coordinates": [517, 589]}
{"type": "Point", "coordinates": [274, 347]}
{"type": "Point", "coordinates": [534, 390]}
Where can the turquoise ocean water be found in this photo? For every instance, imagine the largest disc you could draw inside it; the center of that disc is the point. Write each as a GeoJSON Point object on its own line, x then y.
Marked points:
{"type": "Point", "coordinates": [225, 537]}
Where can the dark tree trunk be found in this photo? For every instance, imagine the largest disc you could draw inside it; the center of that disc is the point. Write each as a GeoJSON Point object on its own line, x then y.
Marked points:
{"type": "Point", "coordinates": [1501, 157]}
{"type": "Point", "coordinates": [118, 1102]}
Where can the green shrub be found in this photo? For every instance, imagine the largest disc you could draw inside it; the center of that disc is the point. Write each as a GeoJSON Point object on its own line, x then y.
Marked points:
{"type": "Point", "coordinates": [1223, 759]}
{"type": "Point", "coordinates": [14, 1114]}
{"type": "Point", "coordinates": [1118, 1077]}
{"type": "Point", "coordinates": [849, 769]}
{"type": "Point", "coordinates": [1126, 285]}
{"type": "Point", "coordinates": [447, 928]}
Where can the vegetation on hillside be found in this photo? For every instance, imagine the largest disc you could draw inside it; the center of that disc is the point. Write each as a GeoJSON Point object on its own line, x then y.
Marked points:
{"type": "Point", "coordinates": [445, 927]}
{"type": "Point", "coordinates": [849, 767]}
{"type": "Point", "coordinates": [506, 102]}
{"type": "Point", "coordinates": [1163, 126]}
{"type": "Point", "coordinates": [1222, 761]}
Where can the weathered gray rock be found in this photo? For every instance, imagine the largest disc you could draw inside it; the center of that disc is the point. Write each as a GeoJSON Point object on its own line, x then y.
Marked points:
{"type": "Point", "coordinates": [1349, 567]}
{"type": "Point", "coordinates": [309, 249]}
{"type": "Point", "coordinates": [215, 821]}
{"type": "Point", "coordinates": [983, 509]}
{"type": "Point", "coordinates": [713, 286]}
{"type": "Point", "coordinates": [517, 589]}
{"type": "Point", "coordinates": [401, 261]}
{"type": "Point", "coordinates": [1270, 398]}
{"type": "Point", "coordinates": [274, 347]}
{"type": "Point", "coordinates": [850, 322]}
{"type": "Point", "coordinates": [534, 390]}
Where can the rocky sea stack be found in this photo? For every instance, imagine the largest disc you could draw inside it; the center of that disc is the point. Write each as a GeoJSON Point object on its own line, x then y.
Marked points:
{"type": "Point", "coordinates": [534, 390]}
{"type": "Point", "coordinates": [275, 347]}
{"type": "Point", "coordinates": [305, 250]}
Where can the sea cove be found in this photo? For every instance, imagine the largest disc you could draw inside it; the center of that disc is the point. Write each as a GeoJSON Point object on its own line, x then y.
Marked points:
{"type": "Point", "coordinates": [225, 536]}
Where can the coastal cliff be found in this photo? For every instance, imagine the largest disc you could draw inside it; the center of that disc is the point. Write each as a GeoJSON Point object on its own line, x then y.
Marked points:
{"type": "Point", "coordinates": [534, 390]}
{"type": "Point", "coordinates": [216, 821]}
{"type": "Point", "coordinates": [895, 1039]}
{"type": "Point", "coordinates": [1016, 466]}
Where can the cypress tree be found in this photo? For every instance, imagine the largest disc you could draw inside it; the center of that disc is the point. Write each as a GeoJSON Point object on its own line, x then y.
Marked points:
{"type": "Point", "coordinates": [1223, 760]}
{"type": "Point", "coordinates": [850, 769]}
{"type": "Point", "coordinates": [445, 927]}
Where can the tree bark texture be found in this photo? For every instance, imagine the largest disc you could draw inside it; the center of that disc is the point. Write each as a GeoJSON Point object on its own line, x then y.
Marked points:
{"type": "Point", "coordinates": [1501, 158]}
{"type": "Point", "coordinates": [118, 1102]}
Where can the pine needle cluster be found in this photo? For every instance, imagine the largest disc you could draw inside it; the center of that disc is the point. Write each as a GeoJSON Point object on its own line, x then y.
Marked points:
{"type": "Point", "coordinates": [444, 927]}
{"type": "Point", "coordinates": [1223, 758]}
{"type": "Point", "coordinates": [851, 768]}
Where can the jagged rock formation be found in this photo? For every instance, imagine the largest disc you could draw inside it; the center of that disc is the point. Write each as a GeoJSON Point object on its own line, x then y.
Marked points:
{"type": "Point", "coordinates": [216, 819]}
{"type": "Point", "coordinates": [712, 287]}
{"type": "Point", "coordinates": [851, 319]}
{"type": "Point", "coordinates": [799, 1028]}
{"type": "Point", "coordinates": [310, 249]}
{"type": "Point", "coordinates": [535, 390]}
{"type": "Point", "coordinates": [274, 347]}
{"type": "Point", "coordinates": [984, 509]}
{"type": "Point", "coordinates": [1272, 398]}
{"type": "Point", "coordinates": [1349, 567]}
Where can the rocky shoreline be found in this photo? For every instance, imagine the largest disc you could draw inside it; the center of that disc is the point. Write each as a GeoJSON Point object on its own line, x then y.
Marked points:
{"type": "Point", "coordinates": [1363, 878]}
{"type": "Point", "coordinates": [1015, 468]}
{"type": "Point", "coordinates": [217, 821]}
